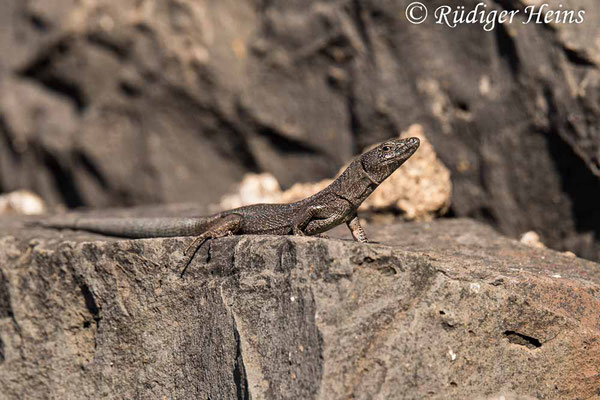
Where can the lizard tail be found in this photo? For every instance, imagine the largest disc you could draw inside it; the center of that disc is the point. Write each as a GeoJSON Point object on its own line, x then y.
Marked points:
{"type": "Point", "coordinates": [131, 227]}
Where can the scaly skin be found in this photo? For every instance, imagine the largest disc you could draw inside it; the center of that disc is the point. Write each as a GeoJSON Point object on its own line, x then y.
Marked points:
{"type": "Point", "coordinates": [334, 205]}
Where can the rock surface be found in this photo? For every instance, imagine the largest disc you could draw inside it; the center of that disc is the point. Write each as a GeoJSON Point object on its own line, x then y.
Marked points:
{"type": "Point", "coordinates": [437, 310]}
{"type": "Point", "coordinates": [114, 102]}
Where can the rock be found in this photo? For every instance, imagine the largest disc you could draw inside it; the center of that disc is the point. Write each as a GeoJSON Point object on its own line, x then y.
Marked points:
{"type": "Point", "coordinates": [532, 239]}
{"type": "Point", "coordinates": [110, 102]}
{"type": "Point", "coordinates": [437, 310]}
{"type": "Point", "coordinates": [253, 189]}
{"type": "Point", "coordinates": [302, 190]}
{"type": "Point", "coordinates": [22, 202]}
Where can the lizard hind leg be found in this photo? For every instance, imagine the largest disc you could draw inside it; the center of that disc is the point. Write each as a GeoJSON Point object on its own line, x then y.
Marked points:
{"type": "Point", "coordinates": [226, 226]}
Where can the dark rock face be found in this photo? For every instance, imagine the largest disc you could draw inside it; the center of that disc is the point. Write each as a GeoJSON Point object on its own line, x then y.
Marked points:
{"type": "Point", "coordinates": [435, 310]}
{"type": "Point", "coordinates": [127, 102]}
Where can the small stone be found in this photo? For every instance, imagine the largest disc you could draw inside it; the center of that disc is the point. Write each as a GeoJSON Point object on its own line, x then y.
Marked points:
{"type": "Point", "coordinates": [532, 239]}
{"type": "Point", "coordinates": [22, 202]}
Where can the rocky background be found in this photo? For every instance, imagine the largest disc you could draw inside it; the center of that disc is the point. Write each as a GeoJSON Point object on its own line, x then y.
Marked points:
{"type": "Point", "coordinates": [112, 103]}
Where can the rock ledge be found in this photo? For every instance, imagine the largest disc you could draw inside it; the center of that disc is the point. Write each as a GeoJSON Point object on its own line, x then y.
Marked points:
{"type": "Point", "coordinates": [446, 309]}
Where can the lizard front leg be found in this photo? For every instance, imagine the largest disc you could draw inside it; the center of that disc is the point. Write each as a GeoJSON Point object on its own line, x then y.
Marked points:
{"type": "Point", "coordinates": [302, 220]}
{"type": "Point", "coordinates": [328, 216]}
{"type": "Point", "coordinates": [356, 229]}
{"type": "Point", "coordinates": [316, 226]}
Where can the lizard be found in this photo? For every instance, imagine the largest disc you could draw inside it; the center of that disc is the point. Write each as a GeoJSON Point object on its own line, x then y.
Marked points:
{"type": "Point", "coordinates": [336, 204]}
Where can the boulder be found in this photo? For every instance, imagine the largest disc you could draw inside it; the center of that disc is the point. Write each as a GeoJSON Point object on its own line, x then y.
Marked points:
{"type": "Point", "coordinates": [437, 310]}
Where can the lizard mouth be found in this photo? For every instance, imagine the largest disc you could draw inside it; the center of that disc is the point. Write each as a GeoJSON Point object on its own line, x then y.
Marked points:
{"type": "Point", "coordinates": [415, 141]}
{"type": "Point", "coordinates": [412, 144]}
{"type": "Point", "coordinates": [404, 150]}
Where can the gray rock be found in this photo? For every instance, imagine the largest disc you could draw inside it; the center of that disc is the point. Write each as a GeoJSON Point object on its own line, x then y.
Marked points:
{"type": "Point", "coordinates": [126, 102]}
{"type": "Point", "coordinates": [438, 310]}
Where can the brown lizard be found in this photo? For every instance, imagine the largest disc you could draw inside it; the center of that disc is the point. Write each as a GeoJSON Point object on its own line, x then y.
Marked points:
{"type": "Point", "coordinates": [332, 206]}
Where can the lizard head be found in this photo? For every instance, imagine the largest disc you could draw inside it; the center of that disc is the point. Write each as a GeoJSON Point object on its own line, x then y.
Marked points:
{"type": "Point", "coordinates": [384, 159]}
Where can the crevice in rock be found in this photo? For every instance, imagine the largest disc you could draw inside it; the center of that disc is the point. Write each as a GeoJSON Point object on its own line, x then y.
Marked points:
{"type": "Point", "coordinates": [578, 58]}
{"type": "Point", "coordinates": [6, 142]}
{"type": "Point", "coordinates": [6, 311]}
{"type": "Point", "coordinates": [507, 49]}
{"type": "Point", "coordinates": [38, 23]}
{"type": "Point", "coordinates": [357, 15]}
{"type": "Point", "coordinates": [225, 137]}
{"type": "Point", "coordinates": [5, 306]}
{"type": "Point", "coordinates": [130, 90]}
{"type": "Point", "coordinates": [90, 302]}
{"type": "Point", "coordinates": [336, 47]}
{"type": "Point", "coordinates": [284, 144]}
{"type": "Point", "coordinates": [280, 142]}
{"type": "Point", "coordinates": [120, 50]}
{"type": "Point", "coordinates": [209, 251]}
{"type": "Point", "coordinates": [43, 71]}
{"type": "Point", "coordinates": [522, 340]}
{"type": "Point", "coordinates": [578, 182]}
{"type": "Point", "coordinates": [486, 214]}
{"type": "Point", "coordinates": [341, 49]}
{"type": "Point", "coordinates": [239, 369]}
{"type": "Point", "coordinates": [287, 256]}
{"type": "Point", "coordinates": [355, 126]}
{"type": "Point", "coordinates": [232, 260]}
{"type": "Point", "coordinates": [463, 106]}
{"type": "Point", "coordinates": [87, 164]}
{"type": "Point", "coordinates": [5, 132]}
{"type": "Point", "coordinates": [62, 177]}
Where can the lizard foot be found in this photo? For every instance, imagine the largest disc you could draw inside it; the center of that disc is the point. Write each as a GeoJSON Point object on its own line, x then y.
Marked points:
{"type": "Point", "coordinates": [201, 239]}
{"type": "Point", "coordinates": [298, 232]}
{"type": "Point", "coordinates": [227, 226]}
{"type": "Point", "coordinates": [196, 244]}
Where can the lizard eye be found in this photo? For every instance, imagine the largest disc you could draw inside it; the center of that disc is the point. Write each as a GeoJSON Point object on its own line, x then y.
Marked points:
{"type": "Point", "coordinates": [386, 148]}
